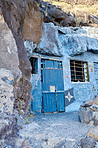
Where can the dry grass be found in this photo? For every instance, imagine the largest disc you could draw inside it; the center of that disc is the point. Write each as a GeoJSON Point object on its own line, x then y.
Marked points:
{"type": "Point", "coordinates": [92, 10]}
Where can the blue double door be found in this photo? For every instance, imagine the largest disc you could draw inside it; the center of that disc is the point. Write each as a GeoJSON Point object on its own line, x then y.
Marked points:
{"type": "Point", "coordinates": [52, 86]}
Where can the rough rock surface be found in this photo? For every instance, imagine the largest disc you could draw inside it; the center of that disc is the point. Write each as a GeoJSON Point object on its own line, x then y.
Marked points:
{"type": "Point", "coordinates": [8, 122]}
{"type": "Point", "coordinates": [88, 143]}
{"type": "Point", "coordinates": [8, 49]}
{"type": "Point", "coordinates": [56, 15]}
{"type": "Point", "coordinates": [30, 47]}
{"type": "Point", "coordinates": [88, 112]}
{"type": "Point", "coordinates": [6, 91]}
{"type": "Point", "coordinates": [79, 40]}
{"type": "Point", "coordinates": [9, 131]}
{"type": "Point", "coordinates": [71, 40]}
{"type": "Point", "coordinates": [32, 26]}
{"type": "Point", "coordinates": [19, 17]}
{"type": "Point", "coordinates": [49, 43]}
{"type": "Point", "coordinates": [93, 133]}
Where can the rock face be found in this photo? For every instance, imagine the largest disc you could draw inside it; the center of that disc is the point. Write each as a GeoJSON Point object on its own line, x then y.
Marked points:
{"type": "Point", "coordinates": [88, 112]}
{"type": "Point", "coordinates": [79, 40]}
{"type": "Point", "coordinates": [8, 132]}
{"type": "Point", "coordinates": [93, 133]}
{"type": "Point", "coordinates": [6, 91]}
{"type": "Point", "coordinates": [49, 43]}
{"type": "Point", "coordinates": [32, 27]}
{"type": "Point", "coordinates": [71, 40]}
{"type": "Point", "coordinates": [20, 16]}
{"type": "Point", "coordinates": [8, 122]}
{"type": "Point", "coordinates": [8, 49]}
{"type": "Point", "coordinates": [58, 17]}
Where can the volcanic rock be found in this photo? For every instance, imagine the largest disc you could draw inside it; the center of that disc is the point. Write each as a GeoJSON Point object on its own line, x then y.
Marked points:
{"type": "Point", "coordinates": [20, 17]}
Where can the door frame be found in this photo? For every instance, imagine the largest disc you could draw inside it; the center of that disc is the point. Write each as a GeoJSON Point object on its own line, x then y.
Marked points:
{"type": "Point", "coordinates": [51, 59]}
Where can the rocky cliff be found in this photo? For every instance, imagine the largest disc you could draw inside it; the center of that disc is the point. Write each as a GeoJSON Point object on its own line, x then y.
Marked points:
{"type": "Point", "coordinates": [19, 21]}
{"type": "Point", "coordinates": [23, 22]}
{"type": "Point", "coordinates": [70, 12]}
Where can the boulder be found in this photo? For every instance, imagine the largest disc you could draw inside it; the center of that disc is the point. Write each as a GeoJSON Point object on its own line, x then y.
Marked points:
{"type": "Point", "coordinates": [88, 143]}
{"type": "Point", "coordinates": [49, 43]}
{"type": "Point", "coordinates": [93, 133]}
{"type": "Point", "coordinates": [88, 112]}
{"type": "Point", "coordinates": [85, 115]}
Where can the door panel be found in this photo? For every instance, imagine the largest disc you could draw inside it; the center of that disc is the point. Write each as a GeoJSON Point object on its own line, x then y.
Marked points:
{"type": "Point", "coordinates": [52, 86]}
{"type": "Point", "coordinates": [60, 102]}
{"type": "Point", "coordinates": [49, 102]}
{"type": "Point", "coordinates": [52, 78]}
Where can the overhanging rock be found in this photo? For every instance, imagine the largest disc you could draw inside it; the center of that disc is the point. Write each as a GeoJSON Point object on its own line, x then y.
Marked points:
{"type": "Point", "coordinates": [71, 40]}
{"type": "Point", "coordinates": [50, 43]}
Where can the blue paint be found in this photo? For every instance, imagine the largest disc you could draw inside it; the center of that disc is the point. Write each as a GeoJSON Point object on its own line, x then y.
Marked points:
{"type": "Point", "coordinates": [49, 102]}
{"type": "Point", "coordinates": [82, 91]}
{"type": "Point", "coordinates": [48, 64]}
{"type": "Point", "coordinates": [36, 101]}
{"type": "Point", "coordinates": [52, 78]}
{"type": "Point", "coordinates": [36, 94]}
{"type": "Point", "coordinates": [69, 101]}
{"type": "Point", "coordinates": [60, 102]}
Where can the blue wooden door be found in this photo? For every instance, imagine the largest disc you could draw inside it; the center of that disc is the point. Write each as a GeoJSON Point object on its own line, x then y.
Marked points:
{"type": "Point", "coordinates": [52, 86]}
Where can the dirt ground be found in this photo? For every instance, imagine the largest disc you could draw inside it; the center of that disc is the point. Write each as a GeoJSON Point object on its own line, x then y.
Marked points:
{"type": "Point", "coordinates": [55, 130]}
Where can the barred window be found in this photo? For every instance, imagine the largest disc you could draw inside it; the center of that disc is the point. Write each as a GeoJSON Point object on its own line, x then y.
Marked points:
{"type": "Point", "coordinates": [79, 71]}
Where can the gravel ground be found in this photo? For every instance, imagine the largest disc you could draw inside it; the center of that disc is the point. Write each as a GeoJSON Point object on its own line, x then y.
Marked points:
{"type": "Point", "coordinates": [55, 130]}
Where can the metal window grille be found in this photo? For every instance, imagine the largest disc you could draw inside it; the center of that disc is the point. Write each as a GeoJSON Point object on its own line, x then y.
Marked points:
{"type": "Point", "coordinates": [79, 71]}
{"type": "Point", "coordinates": [51, 64]}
